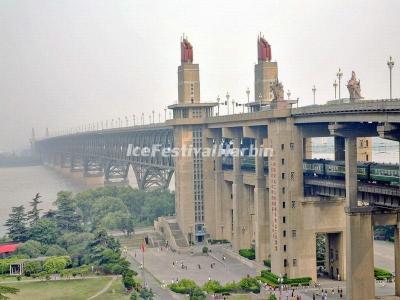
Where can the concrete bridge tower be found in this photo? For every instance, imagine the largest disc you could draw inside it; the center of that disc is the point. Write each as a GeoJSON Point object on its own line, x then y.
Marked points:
{"type": "Point", "coordinates": [193, 208]}
{"type": "Point", "coordinates": [265, 74]}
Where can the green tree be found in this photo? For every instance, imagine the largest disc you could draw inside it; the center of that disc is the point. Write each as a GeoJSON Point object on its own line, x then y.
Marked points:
{"type": "Point", "coordinates": [7, 290]}
{"type": "Point", "coordinates": [32, 249]}
{"type": "Point", "coordinates": [66, 216]}
{"type": "Point", "coordinates": [34, 214]}
{"type": "Point", "coordinates": [16, 224]}
{"type": "Point", "coordinates": [55, 250]}
{"type": "Point", "coordinates": [54, 265]}
{"type": "Point", "coordinates": [146, 294]}
{"type": "Point", "coordinates": [44, 231]}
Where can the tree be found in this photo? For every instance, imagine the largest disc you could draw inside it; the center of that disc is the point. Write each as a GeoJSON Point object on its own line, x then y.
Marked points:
{"type": "Point", "coordinates": [32, 249]}
{"type": "Point", "coordinates": [34, 214]}
{"type": "Point", "coordinates": [55, 250]}
{"type": "Point", "coordinates": [44, 231]}
{"type": "Point", "coordinates": [16, 224]}
{"type": "Point", "coordinates": [7, 290]}
{"type": "Point", "coordinates": [54, 265]}
{"type": "Point", "coordinates": [66, 216]}
{"type": "Point", "coordinates": [146, 294]}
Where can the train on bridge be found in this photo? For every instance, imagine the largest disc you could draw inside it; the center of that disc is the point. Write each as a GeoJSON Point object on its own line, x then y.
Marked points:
{"type": "Point", "coordinates": [387, 174]}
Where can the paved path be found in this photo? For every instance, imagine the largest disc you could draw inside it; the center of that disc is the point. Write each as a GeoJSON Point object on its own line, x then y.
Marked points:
{"type": "Point", "coordinates": [104, 289]}
{"type": "Point", "coordinates": [152, 282]}
{"type": "Point", "coordinates": [384, 255]}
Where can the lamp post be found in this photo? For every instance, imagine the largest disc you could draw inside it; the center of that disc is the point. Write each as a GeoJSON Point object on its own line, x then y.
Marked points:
{"type": "Point", "coordinates": [142, 118]}
{"type": "Point", "coordinates": [227, 101]}
{"type": "Point", "coordinates": [280, 281]}
{"type": "Point", "coordinates": [339, 75]}
{"type": "Point", "coordinates": [153, 115]}
{"type": "Point", "coordinates": [314, 90]}
{"type": "Point", "coordinates": [159, 117]}
{"type": "Point", "coordinates": [335, 86]}
{"type": "Point", "coordinates": [126, 121]}
{"type": "Point", "coordinates": [288, 94]}
{"type": "Point", "coordinates": [134, 121]}
{"type": "Point", "coordinates": [165, 114]}
{"type": "Point", "coordinates": [233, 106]}
{"type": "Point", "coordinates": [218, 100]}
{"type": "Point", "coordinates": [390, 64]}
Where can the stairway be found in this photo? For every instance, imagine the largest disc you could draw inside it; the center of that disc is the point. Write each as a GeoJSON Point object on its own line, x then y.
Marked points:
{"type": "Point", "coordinates": [178, 235]}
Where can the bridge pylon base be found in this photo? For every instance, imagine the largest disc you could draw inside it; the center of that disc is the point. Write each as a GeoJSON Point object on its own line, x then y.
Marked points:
{"type": "Point", "coordinates": [360, 282]}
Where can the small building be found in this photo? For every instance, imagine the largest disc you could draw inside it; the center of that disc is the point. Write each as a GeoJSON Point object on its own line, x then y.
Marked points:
{"type": "Point", "coordinates": [7, 249]}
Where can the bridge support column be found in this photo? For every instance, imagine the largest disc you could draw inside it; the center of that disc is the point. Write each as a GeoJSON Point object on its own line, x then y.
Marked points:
{"type": "Point", "coordinates": [261, 208]}
{"type": "Point", "coordinates": [241, 228]}
{"type": "Point", "coordinates": [360, 282]}
{"type": "Point", "coordinates": [397, 257]}
{"type": "Point", "coordinates": [218, 186]}
{"type": "Point", "coordinates": [116, 174]}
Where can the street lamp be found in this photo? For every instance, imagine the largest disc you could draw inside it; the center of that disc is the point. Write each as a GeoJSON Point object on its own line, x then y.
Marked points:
{"type": "Point", "coordinates": [134, 121]}
{"type": "Point", "coordinates": [335, 86]}
{"type": "Point", "coordinates": [314, 90]}
{"type": "Point", "coordinates": [233, 106]}
{"type": "Point", "coordinates": [165, 114]}
{"type": "Point", "coordinates": [288, 94]}
{"type": "Point", "coordinates": [227, 101]}
{"type": "Point", "coordinates": [126, 120]}
{"type": "Point", "coordinates": [248, 95]}
{"type": "Point", "coordinates": [153, 115]}
{"type": "Point", "coordinates": [339, 75]}
{"type": "Point", "coordinates": [218, 100]}
{"type": "Point", "coordinates": [280, 282]}
{"type": "Point", "coordinates": [142, 118]}
{"type": "Point", "coordinates": [390, 64]}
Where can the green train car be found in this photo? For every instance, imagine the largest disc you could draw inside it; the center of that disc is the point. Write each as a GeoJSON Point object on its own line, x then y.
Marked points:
{"type": "Point", "coordinates": [385, 173]}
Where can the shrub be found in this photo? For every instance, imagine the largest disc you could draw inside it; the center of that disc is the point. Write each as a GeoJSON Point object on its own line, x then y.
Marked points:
{"type": "Point", "coordinates": [267, 263]}
{"type": "Point", "coordinates": [250, 285]}
{"type": "Point", "coordinates": [272, 297]}
{"type": "Point", "coordinates": [205, 250]}
{"type": "Point", "coordinates": [184, 286]}
{"type": "Point", "coordinates": [212, 242]}
{"type": "Point", "coordinates": [128, 282]}
{"type": "Point", "coordinates": [55, 265]}
{"type": "Point", "coordinates": [196, 294]}
{"type": "Point", "coordinates": [271, 277]}
{"type": "Point", "coordinates": [32, 267]}
{"type": "Point", "coordinates": [248, 253]}
{"type": "Point", "coordinates": [382, 274]}
{"type": "Point", "coordinates": [212, 286]}
{"type": "Point", "coordinates": [146, 294]}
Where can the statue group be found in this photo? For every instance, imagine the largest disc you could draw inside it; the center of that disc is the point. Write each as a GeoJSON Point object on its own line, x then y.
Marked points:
{"type": "Point", "coordinates": [277, 90]}
{"type": "Point", "coordinates": [354, 87]}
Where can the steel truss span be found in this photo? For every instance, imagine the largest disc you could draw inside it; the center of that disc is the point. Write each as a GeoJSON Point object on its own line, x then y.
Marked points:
{"type": "Point", "coordinates": [109, 153]}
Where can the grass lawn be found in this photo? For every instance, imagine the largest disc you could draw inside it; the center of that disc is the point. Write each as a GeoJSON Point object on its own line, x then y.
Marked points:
{"type": "Point", "coordinates": [59, 290]}
{"type": "Point", "coordinates": [115, 292]}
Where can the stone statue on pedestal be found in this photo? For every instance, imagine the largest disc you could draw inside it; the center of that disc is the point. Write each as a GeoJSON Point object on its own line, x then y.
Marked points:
{"type": "Point", "coordinates": [354, 87]}
{"type": "Point", "coordinates": [277, 90]}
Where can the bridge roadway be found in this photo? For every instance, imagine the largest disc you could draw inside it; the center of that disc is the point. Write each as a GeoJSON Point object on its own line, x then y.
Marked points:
{"type": "Point", "coordinates": [104, 152]}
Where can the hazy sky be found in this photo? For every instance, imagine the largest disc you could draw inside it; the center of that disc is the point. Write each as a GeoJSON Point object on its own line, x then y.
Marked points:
{"type": "Point", "coordinates": [66, 63]}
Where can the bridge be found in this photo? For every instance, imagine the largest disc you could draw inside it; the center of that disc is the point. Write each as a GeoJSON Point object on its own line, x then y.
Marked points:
{"type": "Point", "coordinates": [276, 205]}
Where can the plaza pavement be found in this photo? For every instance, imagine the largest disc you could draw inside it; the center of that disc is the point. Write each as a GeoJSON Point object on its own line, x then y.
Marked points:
{"type": "Point", "coordinates": [160, 264]}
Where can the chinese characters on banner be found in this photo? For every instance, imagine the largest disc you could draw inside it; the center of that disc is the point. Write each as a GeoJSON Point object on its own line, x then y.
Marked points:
{"type": "Point", "coordinates": [274, 200]}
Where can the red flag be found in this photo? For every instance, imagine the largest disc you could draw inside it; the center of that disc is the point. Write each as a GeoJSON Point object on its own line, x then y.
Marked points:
{"type": "Point", "coordinates": [142, 247]}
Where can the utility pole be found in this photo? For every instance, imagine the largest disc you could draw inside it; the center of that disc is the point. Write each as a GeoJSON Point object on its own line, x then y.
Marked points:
{"type": "Point", "coordinates": [390, 64]}
{"type": "Point", "coordinates": [314, 90]}
{"type": "Point", "coordinates": [339, 75]}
